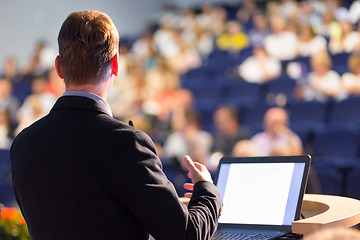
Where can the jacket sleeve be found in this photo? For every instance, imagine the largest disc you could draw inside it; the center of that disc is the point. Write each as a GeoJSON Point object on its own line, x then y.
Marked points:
{"type": "Point", "coordinates": [153, 200]}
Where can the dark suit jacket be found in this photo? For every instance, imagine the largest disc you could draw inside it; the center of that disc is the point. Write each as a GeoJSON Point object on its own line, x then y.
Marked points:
{"type": "Point", "coordinates": [80, 174]}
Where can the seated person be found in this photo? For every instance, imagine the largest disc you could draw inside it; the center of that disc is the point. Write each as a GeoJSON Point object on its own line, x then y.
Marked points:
{"type": "Point", "coordinates": [228, 130]}
{"type": "Point", "coordinates": [343, 38]}
{"type": "Point", "coordinates": [243, 148]}
{"type": "Point", "coordinates": [322, 83]}
{"type": "Point", "coordinates": [309, 42]}
{"type": "Point", "coordinates": [260, 67]}
{"type": "Point", "coordinates": [281, 44]}
{"type": "Point", "coordinates": [276, 139]}
{"type": "Point", "coordinates": [187, 138]}
{"type": "Point", "coordinates": [234, 39]}
{"type": "Point", "coordinates": [350, 81]}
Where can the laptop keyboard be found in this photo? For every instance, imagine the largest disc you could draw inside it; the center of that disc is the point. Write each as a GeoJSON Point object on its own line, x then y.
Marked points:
{"type": "Point", "coordinates": [239, 235]}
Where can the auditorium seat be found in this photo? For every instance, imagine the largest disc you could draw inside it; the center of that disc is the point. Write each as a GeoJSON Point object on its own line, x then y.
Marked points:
{"type": "Point", "coordinates": [244, 54]}
{"type": "Point", "coordinates": [282, 85]}
{"type": "Point", "coordinates": [243, 94]}
{"type": "Point", "coordinates": [346, 112]}
{"type": "Point", "coordinates": [195, 78]}
{"type": "Point", "coordinates": [218, 61]}
{"type": "Point", "coordinates": [308, 116]}
{"type": "Point", "coordinates": [4, 162]}
{"type": "Point", "coordinates": [353, 181]}
{"type": "Point", "coordinates": [308, 112]}
{"type": "Point", "coordinates": [7, 194]}
{"type": "Point", "coordinates": [340, 62]}
{"type": "Point", "coordinates": [6, 191]}
{"type": "Point", "coordinates": [337, 141]}
{"type": "Point", "coordinates": [330, 177]}
{"type": "Point", "coordinates": [22, 89]}
{"type": "Point", "coordinates": [252, 117]}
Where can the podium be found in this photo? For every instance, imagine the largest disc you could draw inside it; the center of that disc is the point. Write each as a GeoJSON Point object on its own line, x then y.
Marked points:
{"type": "Point", "coordinates": [325, 211]}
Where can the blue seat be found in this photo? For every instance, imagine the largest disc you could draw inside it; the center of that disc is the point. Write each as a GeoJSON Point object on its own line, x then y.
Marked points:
{"type": "Point", "coordinates": [206, 118]}
{"type": "Point", "coordinates": [347, 111]}
{"type": "Point", "coordinates": [218, 61]}
{"type": "Point", "coordinates": [243, 94]}
{"type": "Point", "coordinates": [308, 115]}
{"type": "Point", "coordinates": [244, 54]}
{"type": "Point", "coordinates": [195, 78]}
{"type": "Point", "coordinates": [340, 62]}
{"type": "Point", "coordinates": [252, 117]}
{"type": "Point", "coordinates": [308, 112]}
{"type": "Point", "coordinates": [7, 194]}
{"type": "Point", "coordinates": [283, 85]}
{"type": "Point", "coordinates": [330, 177]}
{"type": "Point", "coordinates": [353, 182]}
{"type": "Point", "coordinates": [4, 162]}
{"type": "Point", "coordinates": [22, 90]}
{"type": "Point", "coordinates": [6, 191]}
{"type": "Point", "coordinates": [337, 141]}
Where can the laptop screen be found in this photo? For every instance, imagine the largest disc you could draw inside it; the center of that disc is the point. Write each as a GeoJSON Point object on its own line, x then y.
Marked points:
{"type": "Point", "coordinates": [262, 190]}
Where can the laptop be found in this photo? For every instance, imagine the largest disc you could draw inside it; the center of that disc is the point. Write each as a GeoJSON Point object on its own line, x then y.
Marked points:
{"type": "Point", "coordinates": [262, 196]}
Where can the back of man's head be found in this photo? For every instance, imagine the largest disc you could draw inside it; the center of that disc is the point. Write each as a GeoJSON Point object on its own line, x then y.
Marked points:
{"type": "Point", "coordinates": [88, 41]}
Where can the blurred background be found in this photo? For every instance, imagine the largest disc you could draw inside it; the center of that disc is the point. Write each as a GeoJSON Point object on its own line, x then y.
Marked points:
{"type": "Point", "coordinates": [206, 78]}
{"type": "Point", "coordinates": [27, 22]}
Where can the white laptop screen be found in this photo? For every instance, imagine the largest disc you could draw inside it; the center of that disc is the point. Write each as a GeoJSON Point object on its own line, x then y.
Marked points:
{"type": "Point", "coordinates": [260, 193]}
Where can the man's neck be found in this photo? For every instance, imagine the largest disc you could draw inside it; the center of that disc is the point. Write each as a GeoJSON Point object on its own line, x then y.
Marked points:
{"type": "Point", "coordinates": [97, 89]}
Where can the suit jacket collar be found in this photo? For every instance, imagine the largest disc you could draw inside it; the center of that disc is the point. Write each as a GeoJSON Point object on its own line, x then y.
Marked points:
{"type": "Point", "coordinates": [78, 102]}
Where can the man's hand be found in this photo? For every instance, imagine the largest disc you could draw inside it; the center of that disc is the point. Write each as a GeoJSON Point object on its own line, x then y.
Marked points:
{"type": "Point", "coordinates": [197, 172]}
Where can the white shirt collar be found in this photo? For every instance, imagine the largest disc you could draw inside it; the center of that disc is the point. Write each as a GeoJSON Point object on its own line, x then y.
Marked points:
{"type": "Point", "coordinates": [92, 96]}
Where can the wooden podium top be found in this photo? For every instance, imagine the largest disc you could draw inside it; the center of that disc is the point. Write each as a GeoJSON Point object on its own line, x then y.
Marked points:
{"type": "Point", "coordinates": [325, 211]}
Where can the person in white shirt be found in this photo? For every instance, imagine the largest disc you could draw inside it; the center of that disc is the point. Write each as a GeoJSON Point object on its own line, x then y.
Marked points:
{"type": "Point", "coordinates": [309, 42]}
{"type": "Point", "coordinates": [343, 38]}
{"type": "Point", "coordinates": [351, 80]}
{"type": "Point", "coordinates": [260, 67]}
{"type": "Point", "coordinates": [281, 44]}
{"type": "Point", "coordinates": [322, 82]}
{"type": "Point", "coordinates": [276, 139]}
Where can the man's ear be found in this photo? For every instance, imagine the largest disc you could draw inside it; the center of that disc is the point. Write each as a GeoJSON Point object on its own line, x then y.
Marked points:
{"type": "Point", "coordinates": [58, 67]}
{"type": "Point", "coordinates": [115, 65]}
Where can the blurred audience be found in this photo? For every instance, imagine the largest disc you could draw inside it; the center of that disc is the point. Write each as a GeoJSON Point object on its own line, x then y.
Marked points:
{"type": "Point", "coordinates": [260, 30]}
{"type": "Point", "coordinates": [8, 102]}
{"type": "Point", "coordinates": [343, 38]}
{"type": "Point", "coordinates": [259, 67]}
{"type": "Point", "coordinates": [281, 43]}
{"type": "Point", "coordinates": [160, 89]}
{"type": "Point", "coordinates": [234, 39]}
{"type": "Point", "coordinates": [188, 138]}
{"type": "Point", "coordinates": [309, 42]}
{"type": "Point", "coordinates": [243, 148]}
{"type": "Point", "coordinates": [228, 130]}
{"type": "Point", "coordinates": [350, 81]}
{"type": "Point", "coordinates": [150, 87]}
{"type": "Point", "coordinates": [43, 58]}
{"type": "Point", "coordinates": [11, 71]}
{"type": "Point", "coordinates": [35, 106]}
{"type": "Point", "coordinates": [277, 139]}
{"type": "Point", "coordinates": [5, 140]}
{"type": "Point", "coordinates": [322, 83]}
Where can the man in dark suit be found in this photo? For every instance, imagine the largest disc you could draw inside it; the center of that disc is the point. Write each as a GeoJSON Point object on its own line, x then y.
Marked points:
{"type": "Point", "coordinates": [80, 174]}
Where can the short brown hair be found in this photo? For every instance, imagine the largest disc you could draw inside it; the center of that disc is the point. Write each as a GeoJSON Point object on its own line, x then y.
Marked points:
{"type": "Point", "coordinates": [88, 41]}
